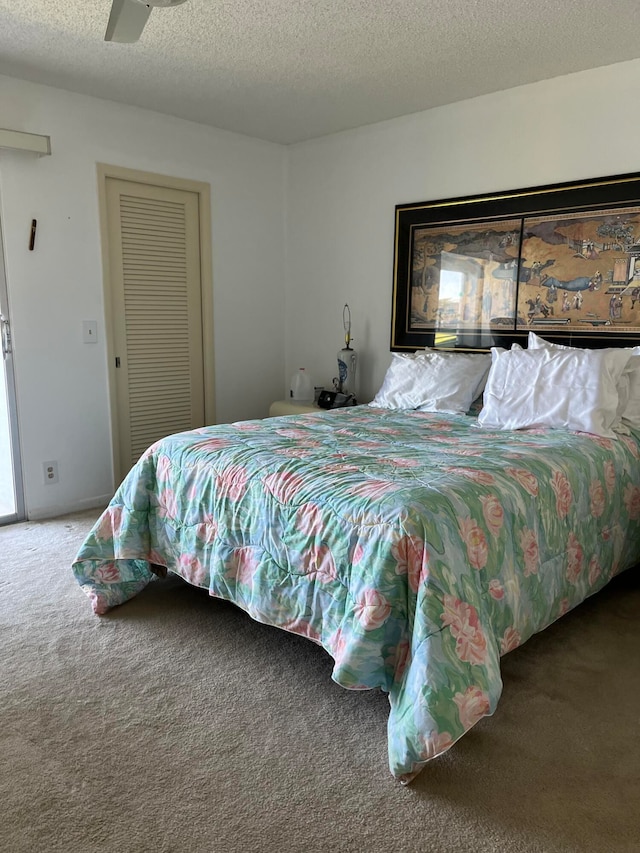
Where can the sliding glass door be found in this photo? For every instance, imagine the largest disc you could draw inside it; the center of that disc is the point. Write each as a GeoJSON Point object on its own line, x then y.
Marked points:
{"type": "Point", "coordinates": [11, 495]}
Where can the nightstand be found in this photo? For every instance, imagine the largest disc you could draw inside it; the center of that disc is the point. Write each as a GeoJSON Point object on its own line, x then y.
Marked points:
{"type": "Point", "coordinates": [291, 407]}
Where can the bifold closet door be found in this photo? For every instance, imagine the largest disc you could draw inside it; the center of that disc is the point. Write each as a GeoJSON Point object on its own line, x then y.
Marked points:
{"type": "Point", "coordinates": [156, 313]}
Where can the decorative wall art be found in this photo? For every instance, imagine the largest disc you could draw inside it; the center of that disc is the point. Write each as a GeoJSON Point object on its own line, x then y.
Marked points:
{"type": "Point", "coordinates": [561, 260]}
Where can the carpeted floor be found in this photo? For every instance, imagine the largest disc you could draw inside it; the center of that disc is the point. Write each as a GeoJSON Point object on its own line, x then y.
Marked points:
{"type": "Point", "coordinates": [177, 724]}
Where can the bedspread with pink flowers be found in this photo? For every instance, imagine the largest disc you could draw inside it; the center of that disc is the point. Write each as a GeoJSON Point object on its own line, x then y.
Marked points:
{"type": "Point", "coordinates": [415, 548]}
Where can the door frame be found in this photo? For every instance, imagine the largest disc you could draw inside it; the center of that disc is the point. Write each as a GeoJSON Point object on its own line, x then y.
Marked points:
{"type": "Point", "coordinates": [12, 399]}
{"type": "Point", "coordinates": [203, 191]}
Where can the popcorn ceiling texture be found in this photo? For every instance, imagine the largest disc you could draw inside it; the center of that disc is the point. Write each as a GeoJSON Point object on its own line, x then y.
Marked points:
{"type": "Point", "coordinates": [291, 70]}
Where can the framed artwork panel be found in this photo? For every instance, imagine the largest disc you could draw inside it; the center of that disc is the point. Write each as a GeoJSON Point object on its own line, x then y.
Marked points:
{"type": "Point", "coordinates": [563, 260]}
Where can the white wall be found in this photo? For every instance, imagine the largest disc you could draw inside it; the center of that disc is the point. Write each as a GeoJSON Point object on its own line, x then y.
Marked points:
{"type": "Point", "coordinates": [61, 382]}
{"type": "Point", "coordinates": [336, 197]}
{"type": "Point", "coordinates": [342, 190]}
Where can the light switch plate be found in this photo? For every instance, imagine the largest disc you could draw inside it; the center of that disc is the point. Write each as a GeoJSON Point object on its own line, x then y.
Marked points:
{"type": "Point", "coordinates": [90, 331]}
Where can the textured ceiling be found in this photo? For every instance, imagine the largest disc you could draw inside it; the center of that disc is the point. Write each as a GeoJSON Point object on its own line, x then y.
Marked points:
{"type": "Point", "coordinates": [289, 70]}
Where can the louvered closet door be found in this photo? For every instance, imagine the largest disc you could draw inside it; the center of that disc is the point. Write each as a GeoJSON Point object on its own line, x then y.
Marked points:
{"type": "Point", "coordinates": [157, 313]}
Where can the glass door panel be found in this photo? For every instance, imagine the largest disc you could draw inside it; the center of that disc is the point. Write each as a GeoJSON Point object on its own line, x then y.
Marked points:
{"type": "Point", "coordinates": [11, 494]}
{"type": "Point", "coordinates": [7, 488]}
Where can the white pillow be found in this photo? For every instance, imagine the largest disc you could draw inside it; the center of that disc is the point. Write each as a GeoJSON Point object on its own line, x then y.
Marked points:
{"type": "Point", "coordinates": [631, 413]}
{"type": "Point", "coordinates": [433, 381]}
{"type": "Point", "coordinates": [572, 389]}
{"type": "Point", "coordinates": [628, 387]}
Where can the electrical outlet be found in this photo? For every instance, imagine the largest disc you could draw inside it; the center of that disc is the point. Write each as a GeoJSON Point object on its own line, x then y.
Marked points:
{"type": "Point", "coordinates": [50, 472]}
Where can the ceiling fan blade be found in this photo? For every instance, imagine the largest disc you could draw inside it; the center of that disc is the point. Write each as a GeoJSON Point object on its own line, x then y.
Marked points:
{"type": "Point", "coordinates": [126, 21]}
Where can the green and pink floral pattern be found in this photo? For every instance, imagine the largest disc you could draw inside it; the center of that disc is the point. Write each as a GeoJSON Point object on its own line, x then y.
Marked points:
{"type": "Point", "coordinates": [415, 548]}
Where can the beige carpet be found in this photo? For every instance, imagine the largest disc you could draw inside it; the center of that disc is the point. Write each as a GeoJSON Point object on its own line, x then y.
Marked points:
{"type": "Point", "coordinates": [178, 724]}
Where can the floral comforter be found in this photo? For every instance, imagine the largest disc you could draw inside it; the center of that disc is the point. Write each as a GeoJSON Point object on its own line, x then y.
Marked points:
{"type": "Point", "coordinates": [415, 548]}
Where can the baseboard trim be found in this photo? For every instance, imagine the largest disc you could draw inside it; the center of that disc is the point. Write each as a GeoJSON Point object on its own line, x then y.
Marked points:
{"type": "Point", "coordinates": [43, 513]}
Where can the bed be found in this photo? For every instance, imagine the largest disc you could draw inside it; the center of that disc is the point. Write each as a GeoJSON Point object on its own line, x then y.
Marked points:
{"type": "Point", "coordinates": [416, 547]}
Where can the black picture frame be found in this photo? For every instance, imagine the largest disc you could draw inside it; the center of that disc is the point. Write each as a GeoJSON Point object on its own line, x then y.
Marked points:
{"type": "Point", "coordinates": [562, 260]}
